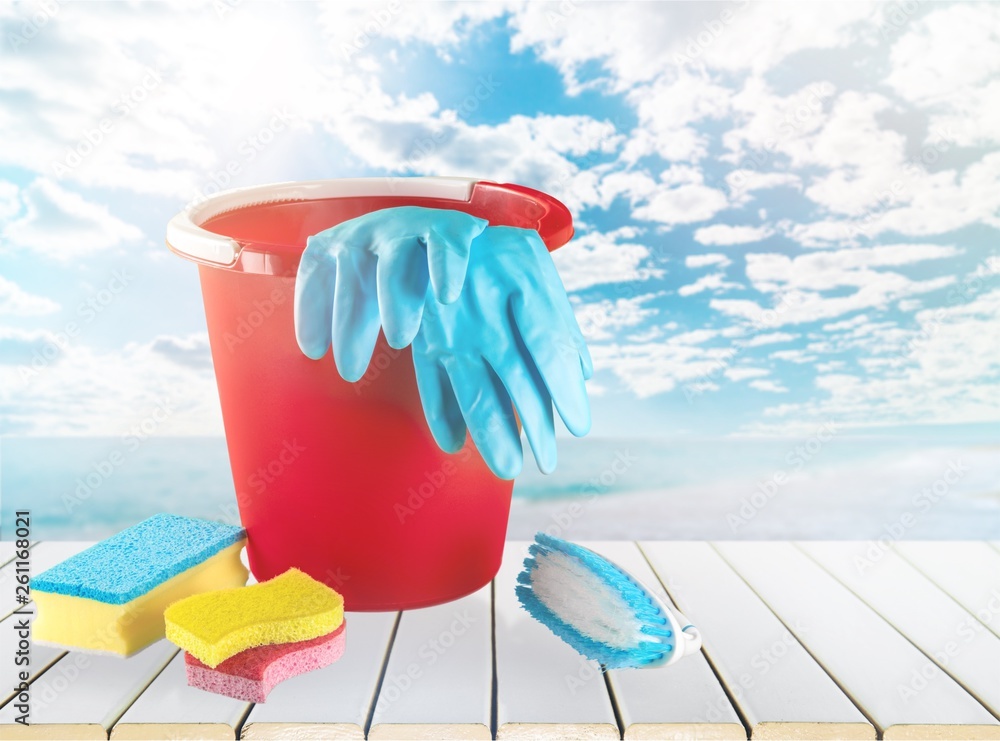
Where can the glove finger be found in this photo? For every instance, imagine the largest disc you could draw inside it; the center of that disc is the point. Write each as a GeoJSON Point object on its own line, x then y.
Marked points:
{"type": "Point", "coordinates": [448, 243]}
{"type": "Point", "coordinates": [534, 407]}
{"type": "Point", "coordinates": [565, 310]}
{"type": "Point", "coordinates": [401, 277]}
{"type": "Point", "coordinates": [444, 416]}
{"type": "Point", "coordinates": [562, 374]}
{"type": "Point", "coordinates": [489, 414]}
{"type": "Point", "coordinates": [314, 284]}
{"type": "Point", "coordinates": [355, 314]}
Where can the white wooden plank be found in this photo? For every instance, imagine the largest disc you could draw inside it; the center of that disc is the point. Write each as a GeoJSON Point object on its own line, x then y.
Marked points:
{"type": "Point", "coordinates": [438, 683]}
{"type": "Point", "coordinates": [871, 660]}
{"type": "Point", "coordinates": [82, 695]}
{"type": "Point", "coordinates": [43, 557]}
{"type": "Point", "coordinates": [544, 688]}
{"type": "Point", "coordinates": [684, 700]}
{"type": "Point", "coordinates": [7, 549]}
{"type": "Point", "coordinates": [39, 657]}
{"type": "Point", "coordinates": [780, 689]}
{"type": "Point", "coordinates": [952, 638]}
{"type": "Point", "coordinates": [332, 702]}
{"type": "Point", "coordinates": [169, 708]}
{"type": "Point", "coordinates": [967, 570]}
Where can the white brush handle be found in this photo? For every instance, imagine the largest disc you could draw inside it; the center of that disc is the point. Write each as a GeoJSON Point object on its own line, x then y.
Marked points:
{"type": "Point", "coordinates": [692, 636]}
{"type": "Point", "coordinates": [687, 638]}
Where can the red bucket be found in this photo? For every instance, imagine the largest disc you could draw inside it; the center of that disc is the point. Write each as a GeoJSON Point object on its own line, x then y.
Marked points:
{"type": "Point", "coordinates": [342, 480]}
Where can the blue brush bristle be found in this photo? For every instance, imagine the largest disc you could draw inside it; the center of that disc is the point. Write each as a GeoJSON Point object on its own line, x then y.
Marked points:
{"type": "Point", "coordinates": [639, 602]}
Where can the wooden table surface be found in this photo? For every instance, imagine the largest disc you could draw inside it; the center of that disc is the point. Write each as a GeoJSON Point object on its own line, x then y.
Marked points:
{"type": "Point", "coordinates": [814, 640]}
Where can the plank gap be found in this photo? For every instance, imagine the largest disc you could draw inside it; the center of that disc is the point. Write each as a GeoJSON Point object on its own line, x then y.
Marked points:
{"type": "Point", "coordinates": [31, 679]}
{"type": "Point", "coordinates": [614, 703]}
{"type": "Point", "coordinates": [13, 556]}
{"type": "Point", "coordinates": [708, 659]}
{"type": "Point", "coordinates": [949, 590]}
{"type": "Point", "coordinates": [145, 687]}
{"type": "Point", "coordinates": [243, 720]}
{"type": "Point", "coordinates": [381, 676]}
{"type": "Point", "coordinates": [878, 729]}
{"type": "Point", "coordinates": [946, 592]}
{"type": "Point", "coordinates": [930, 656]}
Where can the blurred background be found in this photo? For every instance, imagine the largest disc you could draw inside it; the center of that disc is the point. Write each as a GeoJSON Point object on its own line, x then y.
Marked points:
{"type": "Point", "coordinates": [786, 260]}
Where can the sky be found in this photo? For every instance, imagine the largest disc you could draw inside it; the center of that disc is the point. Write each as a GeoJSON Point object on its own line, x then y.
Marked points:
{"type": "Point", "coordinates": [787, 215]}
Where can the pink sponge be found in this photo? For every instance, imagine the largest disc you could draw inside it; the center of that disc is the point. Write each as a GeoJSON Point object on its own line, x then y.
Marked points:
{"type": "Point", "coordinates": [251, 674]}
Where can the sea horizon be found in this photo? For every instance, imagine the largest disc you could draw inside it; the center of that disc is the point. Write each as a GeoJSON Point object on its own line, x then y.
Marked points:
{"type": "Point", "coordinates": [846, 487]}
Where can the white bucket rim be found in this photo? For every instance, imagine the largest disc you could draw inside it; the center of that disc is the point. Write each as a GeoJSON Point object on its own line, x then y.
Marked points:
{"type": "Point", "coordinates": [188, 238]}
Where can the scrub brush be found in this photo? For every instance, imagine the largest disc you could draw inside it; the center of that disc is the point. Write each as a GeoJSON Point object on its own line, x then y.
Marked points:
{"type": "Point", "coordinates": [599, 609]}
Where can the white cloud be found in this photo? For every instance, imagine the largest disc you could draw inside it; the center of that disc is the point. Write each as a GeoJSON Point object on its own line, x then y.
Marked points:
{"type": "Point", "coordinates": [828, 367]}
{"type": "Point", "coordinates": [143, 113]}
{"type": "Point", "coordinates": [413, 136]}
{"type": "Point", "coordinates": [598, 186]}
{"type": "Point", "coordinates": [715, 282]}
{"type": "Point", "coordinates": [685, 204]}
{"type": "Point", "coordinates": [84, 391]}
{"type": "Point", "coordinates": [701, 261]}
{"type": "Point", "coordinates": [769, 338]}
{"type": "Point", "coordinates": [600, 320]}
{"type": "Point", "coordinates": [10, 203]}
{"type": "Point", "coordinates": [824, 271]}
{"type": "Point", "coordinates": [799, 282]}
{"type": "Point", "coordinates": [682, 198]}
{"type": "Point", "coordinates": [741, 374]}
{"type": "Point", "coordinates": [667, 111]}
{"type": "Point", "coordinates": [61, 224]}
{"type": "Point", "coordinates": [800, 307]}
{"type": "Point", "coordinates": [925, 65]}
{"type": "Point", "coordinates": [846, 324]}
{"type": "Point", "coordinates": [864, 159]}
{"type": "Point", "coordinates": [945, 371]}
{"type": "Point", "coordinates": [799, 357]}
{"type": "Point", "coordinates": [20, 347]}
{"type": "Point", "coordinates": [744, 181]}
{"type": "Point", "coordinates": [841, 150]}
{"type": "Point", "coordinates": [15, 301]}
{"type": "Point", "coordinates": [652, 368]}
{"type": "Point", "coordinates": [773, 387]}
{"type": "Point", "coordinates": [438, 25]}
{"type": "Point", "coordinates": [598, 258]}
{"type": "Point", "coordinates": [943, 201]}
{"type": "Point", "coordinates": [825, 233]}
{"type": "Point", "coordinates": [770, 124]}
{"type": "Point", "coordinates": [649, 39]}
{"type": "Point", "coordinates": [136, 103]}
{"type": "Point", "coordinates": [928, 204]}
{"type": "Point", "coordinates": [192, 351]}
{"type": "Point", "coordinates": [726, 234]}
{"type": "Point", "coordinates": [971, 118]}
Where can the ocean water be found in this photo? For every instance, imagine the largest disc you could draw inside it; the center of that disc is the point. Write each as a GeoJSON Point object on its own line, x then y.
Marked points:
{"type": "Point", "coordinates": [89, 488]}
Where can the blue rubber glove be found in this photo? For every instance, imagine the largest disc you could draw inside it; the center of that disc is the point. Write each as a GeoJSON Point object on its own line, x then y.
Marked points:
{"type": "Point", "coordinates": [378, 264]}
{"type": "Point", "coordinates": [510, 336]}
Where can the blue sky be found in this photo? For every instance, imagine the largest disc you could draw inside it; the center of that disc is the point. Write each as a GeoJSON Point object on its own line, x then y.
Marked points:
{"type": "Point", "coordinates": [786, 215]}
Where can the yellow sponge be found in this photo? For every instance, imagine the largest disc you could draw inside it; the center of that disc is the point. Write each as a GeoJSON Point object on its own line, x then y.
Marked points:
{"type": "Point", "coordinates": [91, 625]}
{"type": "Point", "coordinates": [216, 625]}
{"type": "Point", "coordinates": [110, 598]}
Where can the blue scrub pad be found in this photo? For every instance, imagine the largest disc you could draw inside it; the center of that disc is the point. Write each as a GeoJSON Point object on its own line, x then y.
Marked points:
{"type": "Point", "coordinates": [136, 560]}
